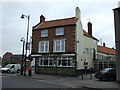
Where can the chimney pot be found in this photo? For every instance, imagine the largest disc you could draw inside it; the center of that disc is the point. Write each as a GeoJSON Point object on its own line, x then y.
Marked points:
{"type": "Point", "coordinates": [90, 28]}
{"type": "Point", "coordinates": [103, 44]}
{"type": "Point", "coordinates": [42, 19]}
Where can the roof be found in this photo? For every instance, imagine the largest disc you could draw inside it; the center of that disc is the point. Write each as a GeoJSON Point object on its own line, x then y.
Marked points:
{"type": "Point", "coordinates": [17, 56]}
{"type": "Point", "coordinates": [60, 22]}
{"type": "Point", "coordinates": [86, 34]}
{"type": "Point", "coordinates": [7, 54]}
{"type": "Point", "coordinates": [55, 23]}
{"type": "Point", "coordinates": [106, 50]}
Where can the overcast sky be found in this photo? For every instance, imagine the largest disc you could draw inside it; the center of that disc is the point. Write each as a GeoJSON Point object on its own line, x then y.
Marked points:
{"type": "Point", "coordinates": [99, 13]}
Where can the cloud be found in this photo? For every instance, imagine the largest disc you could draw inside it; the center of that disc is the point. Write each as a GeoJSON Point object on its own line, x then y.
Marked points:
{"type": "Point", "coordinates": [13, 28]}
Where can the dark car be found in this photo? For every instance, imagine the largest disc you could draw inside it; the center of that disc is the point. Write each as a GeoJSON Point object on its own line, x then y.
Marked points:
{"type": "Point", "coordinates": [106, 74]}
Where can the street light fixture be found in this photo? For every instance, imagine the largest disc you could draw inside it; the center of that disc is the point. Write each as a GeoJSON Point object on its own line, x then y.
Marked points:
{"type": "Point", "coordinates": [22, 40]}
{"type": "Point", "coordinates": [28, 17]}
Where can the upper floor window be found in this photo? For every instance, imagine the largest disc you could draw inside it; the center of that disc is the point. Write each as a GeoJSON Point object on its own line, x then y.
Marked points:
{"type": "Point", "coordinates": [59, 31]}
{"type": "Point", "coordinates": [44, 33]}
{"type": "Point", "coordinates": [43, 46]}
{"type": "Point", "coordinates": [59, 45]}
{"type": "Point", "coordinates": [86, 50]}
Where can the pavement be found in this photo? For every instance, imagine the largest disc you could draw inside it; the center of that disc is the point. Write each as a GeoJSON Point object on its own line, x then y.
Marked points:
{"type": "Point", "coordinates": [87, 81]}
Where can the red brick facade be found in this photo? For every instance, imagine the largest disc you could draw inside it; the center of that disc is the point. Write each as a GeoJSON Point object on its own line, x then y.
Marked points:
{"type": "Point", "coordinates": [69, 35]}
{"type": "Point", "coordinates": [63, 59]}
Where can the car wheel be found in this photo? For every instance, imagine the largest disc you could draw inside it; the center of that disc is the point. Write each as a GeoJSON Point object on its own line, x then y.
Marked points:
{"type": "Point", "coordinates": [112, 79]}
{"type": "Point", "coordinates": [101, 79]}
{"type": "Point", "coordinates": [2, 71]}
{"type": "Point", "coordinates": [8, 71]}
{"type": "Point", "coordinates": [18, 71]}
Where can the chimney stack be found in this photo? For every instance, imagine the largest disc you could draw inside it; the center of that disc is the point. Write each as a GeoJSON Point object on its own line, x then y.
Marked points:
{"type": "Point", "coordinates": [90, 28]}
{"type": "Point", "coordinates": [42, 19]}
{"type": "Point", "coordinates": [77, 13]}
{"type": "Point", "coordinates": [103, 44]}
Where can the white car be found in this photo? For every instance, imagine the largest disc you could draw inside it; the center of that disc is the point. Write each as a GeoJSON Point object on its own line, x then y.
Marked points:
{"type": "Point", "coordinates": [11, 68]}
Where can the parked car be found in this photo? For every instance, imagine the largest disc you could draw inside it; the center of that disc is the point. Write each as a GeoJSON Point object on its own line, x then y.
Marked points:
{"type": "Point", "coordinates": [106, 74]}
{"type": "Point", "coordinates": [11, 68]}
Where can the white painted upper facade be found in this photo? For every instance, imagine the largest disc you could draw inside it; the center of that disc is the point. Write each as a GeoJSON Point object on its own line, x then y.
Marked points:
{"type": "Point", "coordinates": [84, 45]}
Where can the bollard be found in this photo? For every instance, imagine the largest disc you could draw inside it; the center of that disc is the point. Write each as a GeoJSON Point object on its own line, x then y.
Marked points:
{"type": "Point", "coordinates": [91, 76]}
{"type": "Point", "coordinates": [30, 73]}
{"type": "Point", "coordinates": [82, 77]}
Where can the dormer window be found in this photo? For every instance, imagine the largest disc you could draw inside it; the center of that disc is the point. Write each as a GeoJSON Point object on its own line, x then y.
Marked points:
{"type": "Point", "coordinates": [59, 31]}
{"type": "Point", "coordinates": [44, 33]}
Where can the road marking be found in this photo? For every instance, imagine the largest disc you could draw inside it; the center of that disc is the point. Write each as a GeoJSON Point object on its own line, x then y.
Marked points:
{"type": "Point", "coordinates": [3, 76]}
{"type": "Point", "coordinates": [55, 83]}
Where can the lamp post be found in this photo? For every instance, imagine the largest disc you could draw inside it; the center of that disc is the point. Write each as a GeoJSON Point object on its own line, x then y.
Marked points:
{"type": "Point", "coordinates": [22, 40]}
{"type": "Point", "coordinates": [28, 17]}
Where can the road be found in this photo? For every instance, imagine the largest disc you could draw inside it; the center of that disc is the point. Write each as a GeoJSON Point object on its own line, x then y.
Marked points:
{"type": "Point", "coordinates": [40, 82]}
{"type": "Point", "coordinates": [23, 82]}
{"type": "Point", "coordinates": [9, 81]}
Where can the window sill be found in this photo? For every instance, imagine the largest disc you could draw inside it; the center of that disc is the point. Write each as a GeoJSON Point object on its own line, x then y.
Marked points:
{"type": "Point", "coordinates": [56, 66]}
{"type": "Point", "coordinates": [58, 51]}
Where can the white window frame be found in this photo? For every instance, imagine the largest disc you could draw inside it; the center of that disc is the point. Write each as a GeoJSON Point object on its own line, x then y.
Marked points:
{"type": "Point", "coordinates": [42, 61]}
{"type": "Point", "coordinates": [68, 60]}
{"type": "Point", "coordinates": [44, 33]}
{"type": "Point", "coordinates": [65, 59]}
{"type": "Point", "coordinates": [61, 45]}
{"type": "Point", "coordinates": [45, 50]}
{"type": "Point", "coordinates": [59, 31]}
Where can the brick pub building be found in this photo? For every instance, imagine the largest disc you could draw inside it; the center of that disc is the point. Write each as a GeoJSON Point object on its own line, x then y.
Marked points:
{"type": "Point", "coordinates": [62, 46]}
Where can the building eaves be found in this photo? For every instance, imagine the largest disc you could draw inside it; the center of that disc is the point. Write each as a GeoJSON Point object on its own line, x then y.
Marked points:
{"type": "Point", "coordinates": [86, 34]}
{"type": "Point", "coordinates": [106, 50]}
{"type": "Point", "coordinates": [56, 23]}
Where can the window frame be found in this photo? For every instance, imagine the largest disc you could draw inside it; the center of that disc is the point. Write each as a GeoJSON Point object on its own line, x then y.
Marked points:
{"type": "Point", "coordinates": [69, 61]}
{"type": "Point", "coordinates": [45, 50]}
{"type": "Point", "coordinates": [61, 45]}
{"type": "Point", "coordinates": [44, 33]}
{"type": "Point", "coordinates": [59, 31]}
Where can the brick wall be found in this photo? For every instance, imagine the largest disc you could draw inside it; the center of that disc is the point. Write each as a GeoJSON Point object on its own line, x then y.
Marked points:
{"type": "Point", "coordinates": [69, 34]}
{"type": "Point", "coordinates": [70, 71]}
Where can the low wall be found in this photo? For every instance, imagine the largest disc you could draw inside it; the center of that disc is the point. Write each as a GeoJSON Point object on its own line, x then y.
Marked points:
{"type": "Point", "coordinates": [56, 70]}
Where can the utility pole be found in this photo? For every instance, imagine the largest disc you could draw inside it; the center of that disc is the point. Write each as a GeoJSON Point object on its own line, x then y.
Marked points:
{"type": "Point", "coordinates": [117, 39]}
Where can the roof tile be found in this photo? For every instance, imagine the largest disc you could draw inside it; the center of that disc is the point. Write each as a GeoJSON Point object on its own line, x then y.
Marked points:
{"type": "Point", "coordinates": [106, 50]}
{"type": "Point", "coordinates": [58, 22]}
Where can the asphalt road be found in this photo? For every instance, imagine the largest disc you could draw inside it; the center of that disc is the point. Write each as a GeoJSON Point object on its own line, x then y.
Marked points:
{"type": "Point", "coordinates": [44, 82]}
{"type": "Point", "coordinates": [14, 82]}
{"type": "Point", "coordinates": [23, 82]}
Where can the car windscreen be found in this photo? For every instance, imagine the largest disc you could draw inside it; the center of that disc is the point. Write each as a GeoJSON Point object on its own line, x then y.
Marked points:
{"type": "Point", "coordinates": [105, 70]}
{"type": "Point", "coordinates": [7, 66]}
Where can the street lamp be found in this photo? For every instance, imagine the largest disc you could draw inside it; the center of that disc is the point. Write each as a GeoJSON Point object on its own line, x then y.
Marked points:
{"type": "Point", "coordinates": [28, 17]}
{"type": "Point", "coordinates": [22, 40]}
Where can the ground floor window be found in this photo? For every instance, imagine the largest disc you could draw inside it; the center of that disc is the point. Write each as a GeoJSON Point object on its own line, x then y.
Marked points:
{"type": "Point", "coordinates": [45, 61]}
{"type": "Point", "coordinates": [56, 61]}
{"type": "Point", "coordinates": [65, 61]}
{"type": "Point", "coordinates": [104, 64]}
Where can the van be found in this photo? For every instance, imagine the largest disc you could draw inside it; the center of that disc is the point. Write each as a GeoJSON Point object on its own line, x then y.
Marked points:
{"type": "Point", "coordinates": [11, 68]}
